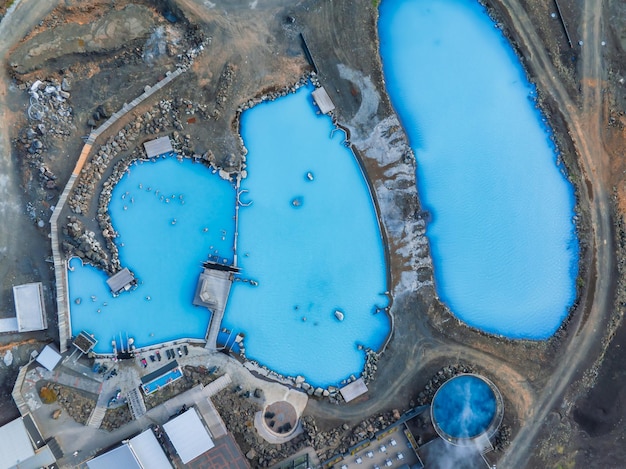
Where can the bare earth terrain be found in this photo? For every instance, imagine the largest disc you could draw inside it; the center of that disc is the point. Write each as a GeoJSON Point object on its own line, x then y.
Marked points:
{"type": "Point", "coordinates": [563, 397]}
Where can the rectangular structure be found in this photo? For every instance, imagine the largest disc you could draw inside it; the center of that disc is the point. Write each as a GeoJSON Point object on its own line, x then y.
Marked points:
{"type": "Point", "coordinates": [159, 372]}
{"type": "Point", "coordinates": [36, 437]}
{"type": "Point", "coordinates": [159, 146]}
{"type": "Point", "coordinates": [15, 445]}
{"type": "Point", "coordinates": [213, 289]}
{"type": "Point", "coordinates": [323, 101]}
{"type": "Point", "coordinates": [8, 325]}
{"type": "Point", "coordinates": [85, 342]}
{"type": "Point", "coordinates": [120, 457]}
{"type": "Point", "coordinates": [29, 307]}
{"type": "Point", "coordinates": [188, 435]}
{"type": "Point", "coordinates": [148, 451]}
{"type": "Point", "coordinates": [121, 281]}
{"type": "Point", "coordinates": [48, 358]}
{"type": "Point", "coordinates": [162, 377]}
{"type": "Point", "coordinates": [353, 390]}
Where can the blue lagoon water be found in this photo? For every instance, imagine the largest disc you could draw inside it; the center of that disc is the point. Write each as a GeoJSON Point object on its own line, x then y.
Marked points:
{"type": "Point", "coordinates": [309, 260]}
{"type": "Point", "coordinates": [166, 257]}
{"type": "Point", "coordinates": [503, 241]}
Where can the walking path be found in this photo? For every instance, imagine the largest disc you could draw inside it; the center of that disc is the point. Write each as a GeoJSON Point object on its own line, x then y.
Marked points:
{"type": "Point", "coordinates": [585, 130]}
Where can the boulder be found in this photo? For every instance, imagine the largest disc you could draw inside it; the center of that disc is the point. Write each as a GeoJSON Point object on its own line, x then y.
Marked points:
{"type": "Point", "coordinates": [8, 358]}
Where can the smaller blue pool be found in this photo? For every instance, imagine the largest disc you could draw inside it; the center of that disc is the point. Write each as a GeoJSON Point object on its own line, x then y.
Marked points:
{"type": "Point", "coordinates": [163, 380]}
{"type": "Point", "coordinates": [465, 407]}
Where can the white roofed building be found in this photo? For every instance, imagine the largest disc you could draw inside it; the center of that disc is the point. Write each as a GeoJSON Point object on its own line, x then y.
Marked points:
{"type": "Point", "coordinates": [158, 146]}
{"type": "Point", "coordinates": [48, 358]}
{"type": "Point", "coordinates": [22, 446]}
{"type": "Point", "coordinates": [188, 435]}
{"type": "Point", "coordinates": [29, 307]}
{"type": "Point", "coordinates": [140, 452]}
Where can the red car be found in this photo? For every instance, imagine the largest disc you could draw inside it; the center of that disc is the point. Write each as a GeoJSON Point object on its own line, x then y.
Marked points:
{"type": "Point", "coordinates": [144, 362]}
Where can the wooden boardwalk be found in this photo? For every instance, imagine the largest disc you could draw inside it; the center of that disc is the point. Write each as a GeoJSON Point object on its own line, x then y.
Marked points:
{"type": "Point", "coordinates": [21, 404]}
{"type": "Point", "coordinates": [60, 264]}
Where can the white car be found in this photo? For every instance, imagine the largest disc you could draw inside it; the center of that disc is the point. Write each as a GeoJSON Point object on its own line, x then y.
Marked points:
{"type": "Point", "coordinates": [388, 463]}
{"type": "Point", "coordinates": [369, 454]}
{"type": "Point", "coordinates": [358, 461]}
{"type": "Point", "coordinates": [383, 449]}
{"type": "Point", "coordinates": [393, 442]}
{"type": "Point", "coordinates": [400, 456]}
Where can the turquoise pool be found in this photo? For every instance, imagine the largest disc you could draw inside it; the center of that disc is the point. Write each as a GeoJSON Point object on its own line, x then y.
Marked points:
{"type": "Point", "coordinates": [322, 255]}
{"type": "Point", "coordinates": [309, 247]}
{"type": "Point", "coordinates": [162, 381]}
{"type": "Point", "coordinates": [464, 407]}
{"type": "Point", "coordinates": [503, 240]}
{"type": "Point", "coordinates": [165, 257]}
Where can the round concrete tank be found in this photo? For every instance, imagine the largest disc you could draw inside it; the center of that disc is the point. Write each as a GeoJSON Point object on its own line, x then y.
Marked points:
{"type": "Point", "coordinates": [467, 408]}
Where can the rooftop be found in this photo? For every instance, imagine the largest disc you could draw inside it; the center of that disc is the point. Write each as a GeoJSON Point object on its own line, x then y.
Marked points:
{"type": "Point", "coordinates": [121, 280]}
{"type": "Point", "coordinates": [48, 358]}
{"type": "Point", "coordinates": [323, 101]}
{"type": "Point", "coordinates": [158, 147]}
{"type": "Point", "coordinates": [29, 306]}
{"type": "Point", "coordinates": [188, 435]}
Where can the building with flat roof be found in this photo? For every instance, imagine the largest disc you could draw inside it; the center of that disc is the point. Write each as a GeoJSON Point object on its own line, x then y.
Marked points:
{"type": "Point", "coordinates": [158, 146]}
{"type": "Point", "coordinates": [188, 435]}
{"type": "Point", "coordinates": [48, 358]}
{"type": "Point", "coordinates": [29, 307]}
{"type": "Point", "coordinates": [140, 452]}
{"type": "Point", "coordinates": [353, 390]}
{"type": "Point", "coordinates": [121, 281]}
{"type": "Point", "coordinates": [21, 445]}
{"type": "Point", "coordinates": [323, 101]}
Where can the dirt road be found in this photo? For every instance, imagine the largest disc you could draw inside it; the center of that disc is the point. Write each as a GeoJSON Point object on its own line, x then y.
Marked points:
{"type": "Point", "coordinates": [585, 130]}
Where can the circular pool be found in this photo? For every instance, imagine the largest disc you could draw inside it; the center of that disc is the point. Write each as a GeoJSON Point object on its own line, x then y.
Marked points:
{"type": "Point", "coordinates": [466, 407]}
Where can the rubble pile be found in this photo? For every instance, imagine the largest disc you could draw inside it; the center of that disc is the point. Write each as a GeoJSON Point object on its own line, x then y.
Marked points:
{"type": "Point", "coordinates": [50, 116]}
{"type": "Point", "coordinates": [83, 243]}
{"type": "Point", "coordinates": [116, 418]}
{"type": "Point", "coordinates": [223, 89]}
